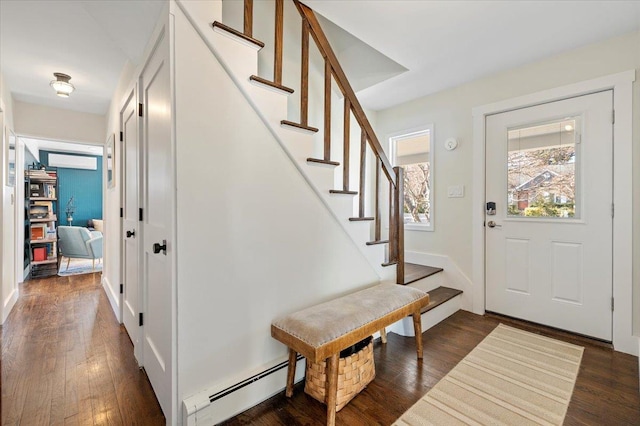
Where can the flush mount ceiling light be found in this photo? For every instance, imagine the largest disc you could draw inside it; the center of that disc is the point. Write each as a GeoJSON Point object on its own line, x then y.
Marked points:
{"type": "Point", "coordinates": [61, 85]}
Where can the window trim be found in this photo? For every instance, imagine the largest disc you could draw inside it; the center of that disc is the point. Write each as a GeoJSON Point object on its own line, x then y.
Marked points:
{"type": "Point", "coordinates": [392, 139]}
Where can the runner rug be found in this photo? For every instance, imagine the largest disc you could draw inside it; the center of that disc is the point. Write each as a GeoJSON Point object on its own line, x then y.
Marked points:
{"type": "Point", "coordinates": [511, 378]}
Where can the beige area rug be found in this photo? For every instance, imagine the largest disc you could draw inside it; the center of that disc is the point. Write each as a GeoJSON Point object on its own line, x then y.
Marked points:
{"type": "Point", "coordinates": [511, 378]}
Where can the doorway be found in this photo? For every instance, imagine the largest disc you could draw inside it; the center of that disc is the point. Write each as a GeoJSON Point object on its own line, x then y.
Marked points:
{"type": "Point", "coordinates": [549, 214]}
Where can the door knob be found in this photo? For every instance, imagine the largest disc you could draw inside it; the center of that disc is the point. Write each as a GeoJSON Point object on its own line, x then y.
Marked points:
{"type": "Point", "coordinates": [492, 224]}
{"type": "Point", "coordinates": [157, 247]}
{"type": "Point", "coordinates": [131, 233]}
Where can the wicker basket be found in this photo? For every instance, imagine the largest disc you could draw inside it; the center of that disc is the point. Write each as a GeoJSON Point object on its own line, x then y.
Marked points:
{"type": "Point", "coordinates": [354, 373]}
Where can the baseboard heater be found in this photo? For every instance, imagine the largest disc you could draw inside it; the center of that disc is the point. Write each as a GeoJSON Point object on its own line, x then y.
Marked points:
{"type": "Point", "coordinates": [208, 408]}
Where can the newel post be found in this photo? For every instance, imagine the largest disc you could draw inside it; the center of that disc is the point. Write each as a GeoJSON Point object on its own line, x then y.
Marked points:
{"type": "Point", "coordinates": [399, 223]}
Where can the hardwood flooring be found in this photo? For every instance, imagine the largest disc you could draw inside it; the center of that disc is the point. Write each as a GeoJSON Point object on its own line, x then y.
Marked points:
{"type": "Point", "coordinates": [67, 361]}
{"type": "Point", "coordinates": [606, 392]}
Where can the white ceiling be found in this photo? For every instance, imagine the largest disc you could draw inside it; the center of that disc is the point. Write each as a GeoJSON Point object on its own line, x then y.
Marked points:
{"type": "Point", "coordinates": [441, 44]}
{"type": "Point", "coordinates": [447, 43]}
{"type": "Point", "coordinates": [90, 40]}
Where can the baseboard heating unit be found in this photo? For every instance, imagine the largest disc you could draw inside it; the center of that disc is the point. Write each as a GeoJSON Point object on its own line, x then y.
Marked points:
{"type": "Point", "coordinates": [217, 404]}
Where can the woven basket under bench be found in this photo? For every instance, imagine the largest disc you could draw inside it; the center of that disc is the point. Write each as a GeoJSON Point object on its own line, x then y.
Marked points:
{"type": "Point", "coordinates": [355, 372]}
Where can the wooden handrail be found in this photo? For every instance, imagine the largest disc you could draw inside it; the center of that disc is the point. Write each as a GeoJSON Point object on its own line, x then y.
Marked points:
{"type": "Point", "coordinates": [327, 52]}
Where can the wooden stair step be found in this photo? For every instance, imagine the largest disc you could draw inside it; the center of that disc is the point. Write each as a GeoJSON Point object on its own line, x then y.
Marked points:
{"type": "Point", "coordinates": [219, 26]}
{"type": "Point", "coordinates": [340, 191]}
{"type": "Point", "coordinates": [439, 296]}
{"type": "Point", "coordinates": [299, 126]}
{"type": "Point", "coordinates": [271, 84]}
{"type": "Point", "coordinates": [413, 272]}
{"type": "Point", "coordinates": [372, 243]}
{"type": "Point", "coordinates": [390, 263]}
{"type": "Point", "coordinates": [320, 161]}
{"type": "Point", "coordinates": [361, 219]}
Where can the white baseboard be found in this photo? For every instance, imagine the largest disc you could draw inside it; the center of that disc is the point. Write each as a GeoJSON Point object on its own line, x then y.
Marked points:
{"type": "Point", "coordinates": [114, 298]}
{"type": "Point", "coordinates": [198, 410]}
{"type": "Point", "coordinates": [9, 303]}
{"type": "Point", "coordinates": [452, 275]}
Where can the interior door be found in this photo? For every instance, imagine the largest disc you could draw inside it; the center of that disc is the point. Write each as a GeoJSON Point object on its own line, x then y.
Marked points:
{"type": "Point", "coordinates": [131, 232]}
{"type": "Point", "coordinates": [158, 207]}
{"type": "Point", "coordinates": [548, 224]}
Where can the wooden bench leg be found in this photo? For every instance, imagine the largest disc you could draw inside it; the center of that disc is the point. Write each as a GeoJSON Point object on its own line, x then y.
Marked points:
{"type": "Point", "coordinates": [291, 372]}
{"type": "Point", "coordinates": [331, 390]}
{"type": "Point", "coordinates": [417, 328]}
{"type": "Point", "coordinates": [383, 335]}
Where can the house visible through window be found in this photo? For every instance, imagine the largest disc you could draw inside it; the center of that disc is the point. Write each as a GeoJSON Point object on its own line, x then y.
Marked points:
{"type": "Point", "coordinates": [412, 151]}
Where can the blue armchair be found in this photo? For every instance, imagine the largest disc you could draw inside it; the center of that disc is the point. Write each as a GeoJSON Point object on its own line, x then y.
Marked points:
{"type": "Point", "coordinates": [77, 242]}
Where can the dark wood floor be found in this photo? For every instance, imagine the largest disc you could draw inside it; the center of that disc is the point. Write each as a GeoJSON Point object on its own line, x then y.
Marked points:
{"type": "Point", "coordinates": [606, 391]}
{"type": "Point", "coordinates": [66, 360]}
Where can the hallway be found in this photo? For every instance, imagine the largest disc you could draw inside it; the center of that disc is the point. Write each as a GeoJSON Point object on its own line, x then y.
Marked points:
{"type": "Point", "coordinates": [66, 360]}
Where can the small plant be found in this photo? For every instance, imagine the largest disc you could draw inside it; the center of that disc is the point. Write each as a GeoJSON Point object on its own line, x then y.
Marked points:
{"type": "Point", "coordinates": [70, 209]}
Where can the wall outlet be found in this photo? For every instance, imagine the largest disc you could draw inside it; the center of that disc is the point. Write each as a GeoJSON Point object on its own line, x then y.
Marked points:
{"type": "Point", "coordinates": [455, 191]}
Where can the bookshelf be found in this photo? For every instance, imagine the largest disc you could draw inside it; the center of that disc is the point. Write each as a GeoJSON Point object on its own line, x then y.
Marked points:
{"type": "Point", "coordinates": [41, 220]}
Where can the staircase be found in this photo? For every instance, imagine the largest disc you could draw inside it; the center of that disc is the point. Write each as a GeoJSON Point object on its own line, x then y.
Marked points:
{"type": "Point", "coordinates": [357, 206]}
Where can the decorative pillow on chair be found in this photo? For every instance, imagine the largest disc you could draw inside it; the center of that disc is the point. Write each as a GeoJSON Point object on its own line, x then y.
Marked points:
{"type": "Point", "coordinates": [98, 225]}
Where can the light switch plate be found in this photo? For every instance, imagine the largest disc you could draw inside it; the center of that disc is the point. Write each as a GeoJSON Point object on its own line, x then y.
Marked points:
{"type": "Point", "coordinates": [455, 191]}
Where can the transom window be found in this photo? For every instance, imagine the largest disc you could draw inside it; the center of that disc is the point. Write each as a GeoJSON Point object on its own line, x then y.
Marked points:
{"type": "Point", "coordinates": [412, 150]}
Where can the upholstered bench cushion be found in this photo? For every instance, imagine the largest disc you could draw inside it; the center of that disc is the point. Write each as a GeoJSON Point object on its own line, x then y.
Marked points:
{"type": "Point", "coordinates": [323, 323]}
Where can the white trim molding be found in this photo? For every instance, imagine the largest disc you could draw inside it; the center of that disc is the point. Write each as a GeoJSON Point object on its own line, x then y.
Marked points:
{"type": "Point", "coordinates": [622, 86]}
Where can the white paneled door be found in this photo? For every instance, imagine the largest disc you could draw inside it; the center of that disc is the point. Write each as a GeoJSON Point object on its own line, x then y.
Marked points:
{"type": "Point", "coordinates": [158, 189]}
{"type": "Point", "coordinates": [549, 214]}
{"type": "Point", "coordinates": [131, 232]}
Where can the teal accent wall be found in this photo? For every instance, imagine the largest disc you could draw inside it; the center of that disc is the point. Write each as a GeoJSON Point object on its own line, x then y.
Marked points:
{"type": "Point", "coordinates": [84, 185]}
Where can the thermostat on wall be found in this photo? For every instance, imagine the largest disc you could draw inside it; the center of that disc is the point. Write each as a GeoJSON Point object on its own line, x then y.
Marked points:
{"type": "Point", "coordinates": [450, 144]}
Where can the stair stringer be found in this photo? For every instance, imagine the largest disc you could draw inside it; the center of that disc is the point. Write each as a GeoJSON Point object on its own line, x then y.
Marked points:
{"type": "Point", "coordinates": [240, 60]}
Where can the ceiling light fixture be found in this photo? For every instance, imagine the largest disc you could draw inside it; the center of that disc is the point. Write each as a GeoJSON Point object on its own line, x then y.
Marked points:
{"type": "Point", "coordinates": [61, 85]}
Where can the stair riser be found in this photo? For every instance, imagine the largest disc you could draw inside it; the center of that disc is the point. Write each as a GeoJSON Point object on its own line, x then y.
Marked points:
{"type": "Point", "coordinates": [429, 283]}
{"type": "Point", "coordinates": [404, 327]}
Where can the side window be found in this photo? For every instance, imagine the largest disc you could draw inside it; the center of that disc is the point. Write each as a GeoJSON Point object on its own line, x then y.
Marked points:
{"type": "Point", "coordinates": [412, 150]}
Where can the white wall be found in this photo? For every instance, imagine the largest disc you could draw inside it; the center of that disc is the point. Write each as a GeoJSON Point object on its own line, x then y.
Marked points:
{"type": "Point", "coordinates": [112, 202]}
{"type": "Point", "coordinates": [450, 111]}
{"type": "Point", "coordinates": [43, 122]}
{"type": "Point", "coordinates": [254, 241]}
{"type": "Point", "coordinates": [8, 287]}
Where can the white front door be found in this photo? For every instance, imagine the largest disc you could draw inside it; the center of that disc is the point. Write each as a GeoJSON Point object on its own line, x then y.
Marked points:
{"type": "Point", "coordinates": [158, 207]}
{"type": "Point", "coordinates": [131, 232]}
{"type": "Point", "coordinates": [549, 184]}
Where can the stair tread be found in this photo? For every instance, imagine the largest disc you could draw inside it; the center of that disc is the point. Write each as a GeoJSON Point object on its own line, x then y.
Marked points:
{"type": "Point", "coordinates": [271, 83]}
{"type": "Point", "coordinates": [340, 191]}
{"type": "Point", "coordinates": [439, 296]}
{"type": "Point", "coordinates": [390, 263]}
{"type": "Point", "coordinates": [237, 33]}
{"type": "Point", "coordinates": [371, 243]}
{"type": "Point", "coordinates": [299, 126]}
{"type": "Point", "coordinates": [320, 161]}
{"type": "Point", "coordinates": [413, 272]}
{"type": "Point", "coordinates": [360, 219]}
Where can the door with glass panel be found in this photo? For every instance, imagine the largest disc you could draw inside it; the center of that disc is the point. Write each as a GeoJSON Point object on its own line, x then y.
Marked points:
{"type": "Point", "coordinates": [549, 214]}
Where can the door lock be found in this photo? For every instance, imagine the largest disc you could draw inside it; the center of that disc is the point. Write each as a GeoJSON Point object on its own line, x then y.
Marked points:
{"type": "Point", "coordinates": [131, 233]}
{"type": "Point", "coordinates": [157, 248]}
{"type": "Point", "coordinates": [492, 224]}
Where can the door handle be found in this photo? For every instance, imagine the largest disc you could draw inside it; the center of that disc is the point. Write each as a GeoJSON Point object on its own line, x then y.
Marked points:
{"type": "Point", "coordinates": [131, 233]}
{"type": "Point", "coordinates": [157, 248]}
{"type": "Point", "coordinates": [492, 224]}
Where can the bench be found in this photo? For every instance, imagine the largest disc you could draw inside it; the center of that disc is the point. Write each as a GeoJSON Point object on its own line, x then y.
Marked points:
{"type": "Point", "coordinates": [320, 332]}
